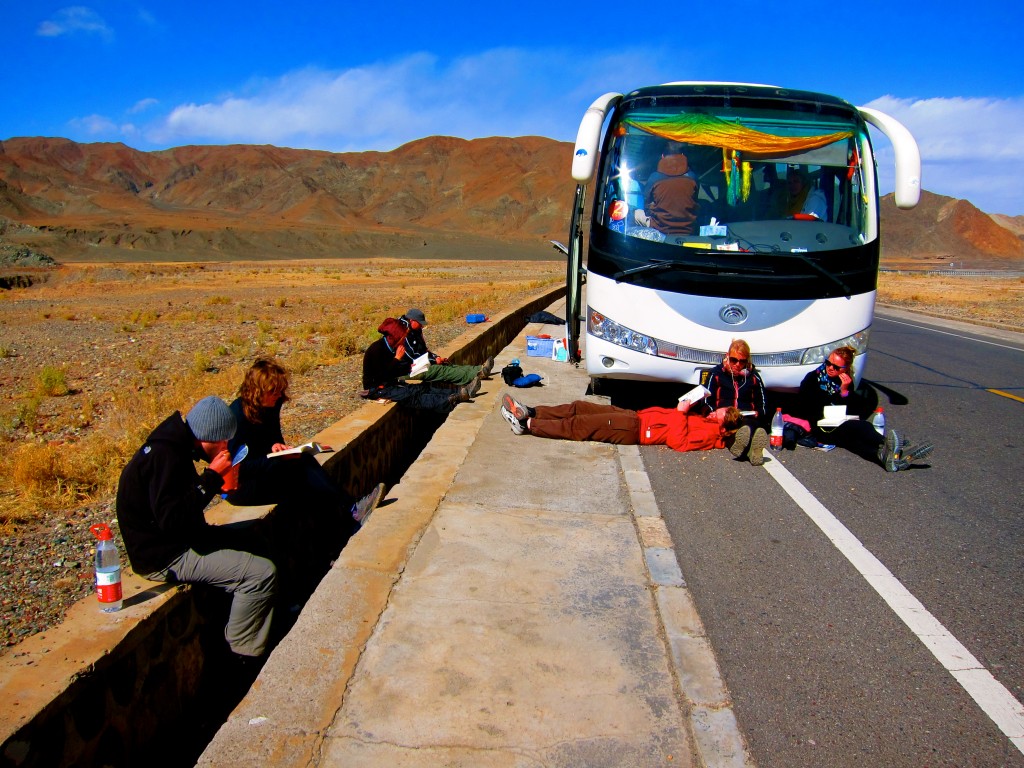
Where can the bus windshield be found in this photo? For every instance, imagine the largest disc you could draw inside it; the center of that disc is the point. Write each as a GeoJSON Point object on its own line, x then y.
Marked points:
{"type": "Point", "coordinates": [742, 176]}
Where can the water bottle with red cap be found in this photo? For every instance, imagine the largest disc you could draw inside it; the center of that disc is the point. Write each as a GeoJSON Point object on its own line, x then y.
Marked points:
{"type": "Point", "coordinates": [108, 569]}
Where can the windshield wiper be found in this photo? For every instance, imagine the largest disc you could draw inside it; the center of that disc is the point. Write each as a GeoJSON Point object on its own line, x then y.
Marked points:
{"type": "Point", "coordinates": [709, 266]}
{"type": "Point", "coordinates": [816, 267]}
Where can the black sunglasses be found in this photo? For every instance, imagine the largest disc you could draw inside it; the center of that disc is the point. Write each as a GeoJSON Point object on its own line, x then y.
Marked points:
{"type": "Point", "coordinates": [740, 360]}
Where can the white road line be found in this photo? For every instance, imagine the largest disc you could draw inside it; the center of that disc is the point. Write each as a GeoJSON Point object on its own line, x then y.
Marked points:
{"type": "Point", "coordinates": [991, 695]}
{"type": "Point", "coordinates": [949, 333]}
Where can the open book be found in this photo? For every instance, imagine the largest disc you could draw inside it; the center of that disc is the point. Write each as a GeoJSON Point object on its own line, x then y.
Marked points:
{"type": "Point", "coordinates": [420, 364]}
{"type": "Point", "coordinates": [834, 415]}
{"type": "Point", "coordinates": [310, 448]}
{"type": "Point", "coordinates": [697, 393]}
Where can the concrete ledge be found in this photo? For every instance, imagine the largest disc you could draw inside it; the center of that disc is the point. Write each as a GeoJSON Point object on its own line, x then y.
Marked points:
{"type": "Point", "coordinates": [109, 687]}
{"type": "Point", "coordinates": [286, 715]}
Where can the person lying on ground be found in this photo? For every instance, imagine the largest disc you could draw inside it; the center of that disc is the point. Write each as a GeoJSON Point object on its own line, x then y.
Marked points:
{"type": "Point", "coordinates": [583, 420]}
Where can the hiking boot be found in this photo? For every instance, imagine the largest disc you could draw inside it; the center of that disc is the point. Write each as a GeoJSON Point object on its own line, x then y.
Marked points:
{"type": "Point", "coordinates": [890, 452]}
{"type": "Point", "coordinates": [518, 427]}
{"type": "Point", "coordinates": [465, 393]}
{"type": "Point", "coordinates": [910, 455]}
{"type": "Point", "coordinates": [740, 441]}
{"type": "Point", "coordinates": [758, 442]}
{"type": "Point", "coordinates": [363, 508]}
{"type": "Point", "coordinates": [522, 412]}
{"type": "Point", "coordinates": [487, 367]}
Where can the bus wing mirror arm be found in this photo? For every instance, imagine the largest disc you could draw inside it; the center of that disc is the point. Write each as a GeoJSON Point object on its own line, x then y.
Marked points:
{"type": "Point", "coordinates": [908, 156]}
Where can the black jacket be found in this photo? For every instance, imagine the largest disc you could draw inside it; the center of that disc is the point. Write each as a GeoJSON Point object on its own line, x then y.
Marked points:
{"type": "Point", "coordinates": [161, 498]}
{"type": "Point", "coordinates": [815, 395]}
{"type": "Point", "coordinates": [380, 367]}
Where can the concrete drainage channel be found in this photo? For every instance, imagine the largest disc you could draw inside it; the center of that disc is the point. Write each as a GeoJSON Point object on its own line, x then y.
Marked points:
{"type": "Point", "coordinates": [152, 684]}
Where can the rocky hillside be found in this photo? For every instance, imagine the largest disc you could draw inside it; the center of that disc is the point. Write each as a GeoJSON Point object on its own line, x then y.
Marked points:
{"type": "Point", "coordinates": [436, 197]}
{"type": "Point", "coordinates": [89, 201]}
{"type": "Point", "coordinates": [944, 229]}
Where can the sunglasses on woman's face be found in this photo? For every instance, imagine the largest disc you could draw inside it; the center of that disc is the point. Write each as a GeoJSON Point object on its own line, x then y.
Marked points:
{"type": "Point", "coordinates": [738, 360]}
{"type": "Point", "coordinates": [830, 364]}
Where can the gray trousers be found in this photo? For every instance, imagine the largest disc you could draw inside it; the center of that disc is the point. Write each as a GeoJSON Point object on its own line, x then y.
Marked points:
{"type": "Point", "coordinates": [250, 580]}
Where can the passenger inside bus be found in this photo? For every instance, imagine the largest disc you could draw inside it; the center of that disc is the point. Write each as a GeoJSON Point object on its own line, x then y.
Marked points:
{"type": "Point", "coordinates": [670, 195]}
{"type": "Point", "coordinates": [800, 198]}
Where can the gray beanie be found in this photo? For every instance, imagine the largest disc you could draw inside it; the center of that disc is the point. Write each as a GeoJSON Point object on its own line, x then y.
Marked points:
{"type": "Point", "coordinates": [211, 420]}
{"type": "Point", "coordinates": [417, 315]}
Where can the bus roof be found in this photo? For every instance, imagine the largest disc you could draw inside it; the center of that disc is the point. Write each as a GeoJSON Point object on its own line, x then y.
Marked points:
{"type": "Point", "coordinates": [751, 90]}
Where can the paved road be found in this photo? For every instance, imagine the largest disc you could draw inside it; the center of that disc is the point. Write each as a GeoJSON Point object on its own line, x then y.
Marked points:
{"type": "Point", "coordinates": [822, 670]}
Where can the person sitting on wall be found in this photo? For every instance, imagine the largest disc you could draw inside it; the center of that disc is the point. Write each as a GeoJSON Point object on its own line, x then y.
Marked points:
{"type": "Point", "coordinates": [160, 503]}
{"type": "Point", "coordinates": [384, 362]}
{"type": "Point", "coordinates": [297, 479]}
{"type": "Point", "coordinates": [440, 370]}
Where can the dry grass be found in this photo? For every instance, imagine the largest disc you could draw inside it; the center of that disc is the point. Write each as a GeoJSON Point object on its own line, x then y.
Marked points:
{"type": "Point", "coordinates": [997, 301]}
{"type": "Point", "coordinates": [99, 354]}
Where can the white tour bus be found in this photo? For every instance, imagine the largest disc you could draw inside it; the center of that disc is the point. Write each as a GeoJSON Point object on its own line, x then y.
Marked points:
{"type": "Point", "coordinates": [777, 242]}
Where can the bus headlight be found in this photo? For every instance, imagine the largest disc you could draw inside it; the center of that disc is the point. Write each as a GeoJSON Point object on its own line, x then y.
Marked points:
{"type": "Point", "coordinates": [817, 355]}
{"type": "Point", "coordinates": [604, 328]}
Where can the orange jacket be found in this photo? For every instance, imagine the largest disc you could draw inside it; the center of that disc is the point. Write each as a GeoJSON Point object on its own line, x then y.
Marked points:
{"type": "Point", "coordinates": [680, 431]}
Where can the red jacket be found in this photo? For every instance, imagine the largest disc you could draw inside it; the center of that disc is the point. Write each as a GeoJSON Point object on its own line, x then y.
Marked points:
{"type": "Point", "coordinates": [680, 431]}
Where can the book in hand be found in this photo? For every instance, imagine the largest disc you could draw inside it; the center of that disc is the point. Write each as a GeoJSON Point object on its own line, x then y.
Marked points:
{"type": "Point", "coordinates": [420, 364]}
{"type": "Point", "coordinates": [697, 393]}
{"type": "Point", "coordinates": [310, 448]}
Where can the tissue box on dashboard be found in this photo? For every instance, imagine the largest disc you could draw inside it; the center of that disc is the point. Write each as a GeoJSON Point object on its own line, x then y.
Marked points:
{"type": "Point", "coordinates": [713, 230]}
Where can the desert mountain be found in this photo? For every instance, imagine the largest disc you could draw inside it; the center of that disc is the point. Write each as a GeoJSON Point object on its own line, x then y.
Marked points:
{"type": "Point", "coordinates": [93, 201]}
{"type": "Point", "coordinates": [495, 197]}
{"type": "Point", "coordinates": [944, 229]}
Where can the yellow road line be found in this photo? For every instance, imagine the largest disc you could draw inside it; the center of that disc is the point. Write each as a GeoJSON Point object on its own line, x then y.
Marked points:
{"type": "Point", "coordinates": [1006, 394]}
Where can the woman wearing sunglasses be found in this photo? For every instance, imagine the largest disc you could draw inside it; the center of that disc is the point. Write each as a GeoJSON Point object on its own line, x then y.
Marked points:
{"type": "Point", "coordinates": [831, 383]}
{"type": "Point", "coordinates": [735, 383]}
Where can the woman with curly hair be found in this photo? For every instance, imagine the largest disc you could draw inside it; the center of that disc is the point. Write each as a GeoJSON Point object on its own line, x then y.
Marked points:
{"type": "Point", "coordinates": [295, 479]}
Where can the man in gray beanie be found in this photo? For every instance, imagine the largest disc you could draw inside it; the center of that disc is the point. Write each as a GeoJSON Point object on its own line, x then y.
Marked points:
{"type": "Point", "coordinates": [160, 503]}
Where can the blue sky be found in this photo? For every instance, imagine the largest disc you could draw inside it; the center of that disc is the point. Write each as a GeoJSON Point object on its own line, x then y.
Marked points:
{"type": "Point", "coordinates": [372, 76]}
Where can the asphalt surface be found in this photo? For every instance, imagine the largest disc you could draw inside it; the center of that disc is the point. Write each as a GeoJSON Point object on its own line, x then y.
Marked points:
{"type": "Point", "coordinates": [821, 669]}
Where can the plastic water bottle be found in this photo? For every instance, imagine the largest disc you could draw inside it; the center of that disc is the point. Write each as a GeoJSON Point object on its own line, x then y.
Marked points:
{"type": "Point", "coordinates": [878, 421]}
{"type": "Point", "coordinates": [775, 437]}
{"type": "Point", "coordinates": [108, 569]}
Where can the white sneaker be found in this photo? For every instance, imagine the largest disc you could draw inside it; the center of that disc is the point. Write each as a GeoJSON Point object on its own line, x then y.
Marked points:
{"type": "Point", "coordinates": [517, 425]}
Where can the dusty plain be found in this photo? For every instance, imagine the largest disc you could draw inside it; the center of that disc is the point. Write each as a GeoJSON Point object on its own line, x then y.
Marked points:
{"type": "Point", "coordinates": [94, 355]}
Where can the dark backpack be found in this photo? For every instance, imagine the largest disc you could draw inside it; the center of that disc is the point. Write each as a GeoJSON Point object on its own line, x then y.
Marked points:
{"type": "Point", "coordinates": [510, 373]}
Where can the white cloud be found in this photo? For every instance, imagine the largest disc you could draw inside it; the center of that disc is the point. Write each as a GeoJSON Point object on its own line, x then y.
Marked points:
{"type": "Point", "coordinates": [95, 125]}
{"type": "Point", "coordinates": [971, 148]}
{"type": "Point", "coordinates": [75, 19]}
{"type": "Point", "coordinates": [501, 92]}
{"type": "Point", "coordinates": [142, 105]}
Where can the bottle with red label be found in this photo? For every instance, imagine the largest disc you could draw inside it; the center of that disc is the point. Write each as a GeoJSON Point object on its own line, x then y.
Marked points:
{"type": "Point", "coordinates": [108, 569]}
{"type": "Point", "coordinates": [778, 426]}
